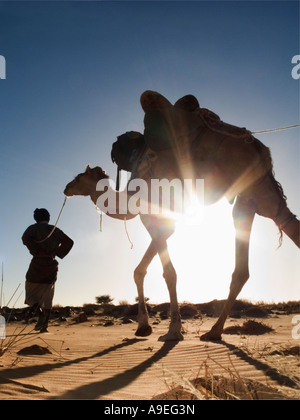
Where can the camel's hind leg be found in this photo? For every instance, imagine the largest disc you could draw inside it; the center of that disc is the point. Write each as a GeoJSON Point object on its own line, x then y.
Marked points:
{"type": "Point", "coordinates": [243, 216]}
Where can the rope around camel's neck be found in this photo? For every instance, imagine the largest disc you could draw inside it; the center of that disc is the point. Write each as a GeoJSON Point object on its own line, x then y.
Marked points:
{"type": "Point", "coordinates": [94, 195]}
{"type": "Point", "coordinates": [54, 227]}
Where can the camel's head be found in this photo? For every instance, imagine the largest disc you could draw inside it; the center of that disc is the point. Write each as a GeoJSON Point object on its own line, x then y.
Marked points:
{"type": "Point", "coordinates": [85, 183]}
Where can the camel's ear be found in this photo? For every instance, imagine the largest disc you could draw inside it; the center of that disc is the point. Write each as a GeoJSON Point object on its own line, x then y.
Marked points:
{"type": "Point", "coordinates": [88, 169]}
{"type": "Point", "coordinates": [100, 172]}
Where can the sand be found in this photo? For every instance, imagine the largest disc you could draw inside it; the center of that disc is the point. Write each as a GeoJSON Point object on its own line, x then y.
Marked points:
{"type": "Point", "coordinates": [88, 360]}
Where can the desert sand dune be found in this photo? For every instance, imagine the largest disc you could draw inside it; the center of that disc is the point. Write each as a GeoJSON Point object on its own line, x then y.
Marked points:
{"type": "Point", "coordinates": [91, 361]}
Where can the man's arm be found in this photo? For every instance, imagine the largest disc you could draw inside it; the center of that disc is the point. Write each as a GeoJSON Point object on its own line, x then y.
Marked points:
{"type": "Point", "coordinates": [29, 242]}
{"type": "Point", "coordinates": [65, 246]}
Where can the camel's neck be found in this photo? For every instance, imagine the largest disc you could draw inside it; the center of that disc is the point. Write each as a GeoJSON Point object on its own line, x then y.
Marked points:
{"type": "Point", "coordinates": [95, 195]}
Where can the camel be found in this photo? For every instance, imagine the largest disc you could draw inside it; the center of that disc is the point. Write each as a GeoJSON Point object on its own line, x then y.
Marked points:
{"type": "Point", "coordinates": [232, 163]}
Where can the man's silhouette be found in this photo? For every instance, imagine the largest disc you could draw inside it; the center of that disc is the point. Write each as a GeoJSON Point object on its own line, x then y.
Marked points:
{"type": "Point", "coordinates": [42, 273]}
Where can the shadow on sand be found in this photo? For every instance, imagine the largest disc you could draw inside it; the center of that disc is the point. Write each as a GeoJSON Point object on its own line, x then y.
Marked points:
{"type": "Point", "coordinates": [95, 390]}
{"type": "Point", "coordinates": [100, 388]}
{"type": "Point", "coordinates": [92, 390]}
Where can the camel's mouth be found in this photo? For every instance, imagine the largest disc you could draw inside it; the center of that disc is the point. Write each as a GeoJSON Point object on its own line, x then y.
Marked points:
{"type": "Point", "coordinates": [67, 194]}
{"type": "Point", "coordinates": [68, 189]}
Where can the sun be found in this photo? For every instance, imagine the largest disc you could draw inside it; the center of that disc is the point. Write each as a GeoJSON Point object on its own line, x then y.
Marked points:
{"type": "Point", "coordinates": [193, 214]}
{"type": "Point", "coordinates": [202, 249]}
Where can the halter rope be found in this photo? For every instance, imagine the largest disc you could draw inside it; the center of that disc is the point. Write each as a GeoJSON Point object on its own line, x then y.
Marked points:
{"type": "Point", "coordinates": [54, 227]}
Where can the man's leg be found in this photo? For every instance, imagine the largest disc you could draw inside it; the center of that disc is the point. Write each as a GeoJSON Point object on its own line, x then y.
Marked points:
{"type": "Point", "coordinates": [46, 317]}
{"type": "Point", "coordinates": [34, 310]}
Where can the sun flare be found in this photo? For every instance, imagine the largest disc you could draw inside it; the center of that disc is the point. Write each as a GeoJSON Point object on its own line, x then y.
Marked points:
{"type": "Point", "coordinates": [203, 250]}
{"type": "Point", "coordinates": [193, 214]}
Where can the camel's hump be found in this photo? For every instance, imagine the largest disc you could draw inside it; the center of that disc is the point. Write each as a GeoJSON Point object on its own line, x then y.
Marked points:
{"type": "Point", "coordinates": [151, 100]}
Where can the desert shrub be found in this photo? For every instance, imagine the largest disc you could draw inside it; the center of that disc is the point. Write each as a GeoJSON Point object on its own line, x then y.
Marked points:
{"type": "Point", "coordinates": [146, 299]}
{"type": "Point", "coordinates": [104, 299]}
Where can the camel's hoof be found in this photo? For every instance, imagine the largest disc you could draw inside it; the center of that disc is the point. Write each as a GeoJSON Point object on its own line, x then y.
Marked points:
{"type": "Point", "coordinates": [171, 337]}
{"type": "Point", "coordinates": [209, 336]}
{"type": "Point", "coordinates": [144, 331]}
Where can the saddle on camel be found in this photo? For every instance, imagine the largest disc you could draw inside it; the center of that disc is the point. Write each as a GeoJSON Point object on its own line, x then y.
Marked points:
{"type": "Point", "coordinates": [176, 133]}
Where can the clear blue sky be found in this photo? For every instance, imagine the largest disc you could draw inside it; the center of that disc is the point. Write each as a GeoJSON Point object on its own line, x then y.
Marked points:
{"type": "Point", "coordinates": [75, 72]}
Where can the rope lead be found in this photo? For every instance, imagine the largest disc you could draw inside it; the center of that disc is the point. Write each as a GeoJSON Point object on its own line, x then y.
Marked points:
{"type": "Point", "coordinates": [54, 227]}
{"type": "Point", "coordinates": [128, 237]}
{"type": "Point", "coordinates": [275, 129]}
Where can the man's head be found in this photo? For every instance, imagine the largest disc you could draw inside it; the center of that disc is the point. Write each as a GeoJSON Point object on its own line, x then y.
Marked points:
{"type": "Point", "coordinates": [41, 215]}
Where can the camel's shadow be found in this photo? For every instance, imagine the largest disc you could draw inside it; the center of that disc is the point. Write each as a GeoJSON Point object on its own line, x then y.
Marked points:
{"type": "Point", "coordinates": [269, 371]}
{"type": "Point", "coordinates": [104, 387]}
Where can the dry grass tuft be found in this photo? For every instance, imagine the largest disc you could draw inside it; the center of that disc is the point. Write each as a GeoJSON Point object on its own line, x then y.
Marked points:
{"type": "Point", "coordinates": [230, 386]}
{"type": "Point", "coordinates": [249, 327]}
{"type": "Point", "coordinates": [288, 351]}
{"type": "Point", "coordinates": [221, 388]}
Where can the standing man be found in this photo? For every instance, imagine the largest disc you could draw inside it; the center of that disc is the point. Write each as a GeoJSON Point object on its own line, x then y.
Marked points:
{"type": "Point", "coordinates": [41, 276]}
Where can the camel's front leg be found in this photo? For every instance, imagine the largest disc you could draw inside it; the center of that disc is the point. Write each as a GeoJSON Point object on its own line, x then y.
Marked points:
{"type": "Point", "coordinates": [174, 333]}
{"type": "Point", "coordinates": [144, 329]}
{"type": "Point", "coordinates": [243, 218]}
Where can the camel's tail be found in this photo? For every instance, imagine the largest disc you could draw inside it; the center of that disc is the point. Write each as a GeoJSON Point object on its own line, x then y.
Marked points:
{"type": "Point", "coordinates": [286, 221]}
{"type": "Point", "coordinates": [282, 205]}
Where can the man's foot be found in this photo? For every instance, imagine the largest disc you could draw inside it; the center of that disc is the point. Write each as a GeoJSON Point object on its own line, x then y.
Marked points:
{"type": "Point", "coordinates": [44, 329]}
{"type": "Point", "coordinates": [40, 323]}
